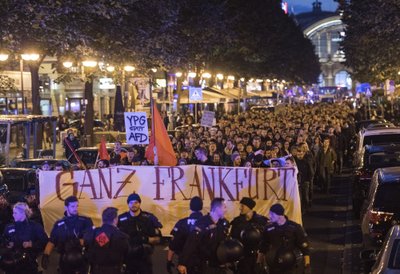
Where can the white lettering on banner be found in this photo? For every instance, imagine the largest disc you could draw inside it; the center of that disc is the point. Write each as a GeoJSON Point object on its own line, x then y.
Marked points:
{"type": "Point", "coordinates": [166, 191]}
{"type": "Point", "coordinates": [137, 132]}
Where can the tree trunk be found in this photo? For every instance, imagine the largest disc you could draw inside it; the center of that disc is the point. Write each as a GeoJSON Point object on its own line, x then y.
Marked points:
{"type": "Point", "coordinates": [89, 112]}
{"type": "Point", "coordinates": [34, 68]}
{"type": "Point", "coordinates": [35, 89]}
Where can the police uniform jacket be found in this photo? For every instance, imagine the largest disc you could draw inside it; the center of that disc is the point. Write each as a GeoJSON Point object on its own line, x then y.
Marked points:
{"type": "Point", "coordinates": [19, 232]}
{"type": "Point", "coordinates": [68, 229]}
{"type": "Point", "coordinates": [138, 228]}
{"type": "Point", "coordinates": [240, 223]}
{"type": "Point", "coordinates": [203, 242]}
{"type": "Point", "coordinates": [289, 236]}
{"type": "Point", "coordinates": [181, 231]}
{"type": "Point", "coordinates": [107, 246]}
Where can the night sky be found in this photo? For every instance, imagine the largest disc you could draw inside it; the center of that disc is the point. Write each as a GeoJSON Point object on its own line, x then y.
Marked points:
{"type": "Point", "coordinates": [299, 6]}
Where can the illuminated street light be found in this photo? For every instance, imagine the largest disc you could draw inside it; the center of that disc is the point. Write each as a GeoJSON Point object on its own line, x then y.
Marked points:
{"type": "Point", "coordinates": [154, 70]}
{"type": "Point", "coordinates": [242, 79]}
{"type": "Point", "coordinates": [206, 75]}
{"type": "Point", "coordinates": [89, 63]}
{"type": "Point", "coordinates": [30, 56]}
{"type": "Point", "coordinates": [220, 76]}
{"type": "Point", "coordinates": [192, 74]}
{"type": "Point", "coordinates": [3, 56]}
{"type": "Point", "coordinates": [231, 77]}
{"type": "Point", "coordinates": [67, 64]}
{"type": "Point", "coordinates": [129, 68]}
{"type": "Point", "coordinates": [110, 68]}
{"type": "Point", "coordinates": [178, 74]}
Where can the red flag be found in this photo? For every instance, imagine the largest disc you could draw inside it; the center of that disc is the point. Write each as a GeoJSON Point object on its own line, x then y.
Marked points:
{"type": "Point", "coordinates": [159, 138]}
{"type": "Point", "coordinates": [103, 153]}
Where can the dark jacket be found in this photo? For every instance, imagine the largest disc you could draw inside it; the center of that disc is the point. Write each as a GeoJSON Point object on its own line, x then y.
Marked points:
{"type": "Point", "coordinates": [107, 248]}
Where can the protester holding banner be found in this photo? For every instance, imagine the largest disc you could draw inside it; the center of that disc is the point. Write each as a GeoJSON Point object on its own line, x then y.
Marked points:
{"type": "Point", "coordinates": [284, 246]}
{"type": "Point", "coordinates": [181, 232]}
{"type": "Point", "coordinates": [141, 228]}
{"type": "Point", "coordinates": [22, 240]}
{"type": "Point", "coordinates": [71, 143]}
{"type": "Point", "coordinates": [107, 247]}
{"type": "Point", "coordinates": [211, 230]}
{"type": "Point", "coordinates": [247, 228]}
{"type": "Point", "coordinates": [67, 237]}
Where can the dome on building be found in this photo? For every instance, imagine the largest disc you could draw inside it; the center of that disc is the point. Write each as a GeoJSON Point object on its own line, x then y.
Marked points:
{"type": "Point", "coordinates": [325, 29]}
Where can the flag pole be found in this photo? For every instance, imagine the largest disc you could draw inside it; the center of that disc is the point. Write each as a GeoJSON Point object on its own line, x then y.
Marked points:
{"type": "Point", "coordinates": [152, 105]}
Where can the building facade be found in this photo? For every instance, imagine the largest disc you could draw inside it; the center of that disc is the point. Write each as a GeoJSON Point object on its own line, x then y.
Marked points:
{"type": "Point", "coordinates": [326, 31]}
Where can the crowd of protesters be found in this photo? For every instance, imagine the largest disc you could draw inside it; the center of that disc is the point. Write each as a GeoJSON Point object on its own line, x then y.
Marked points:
{"type": "Point", "coordinates": [315, 138]}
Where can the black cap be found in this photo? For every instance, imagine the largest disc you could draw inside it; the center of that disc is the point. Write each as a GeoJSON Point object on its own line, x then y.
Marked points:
{"type": "Point", "coordinates": [250, 203]}
{"type": "Point", "coordinates": [277, 209]}
{"type": "Point", "coordinates": [133, 197]}
{"type": "Point", "coordinates": [196, 204]}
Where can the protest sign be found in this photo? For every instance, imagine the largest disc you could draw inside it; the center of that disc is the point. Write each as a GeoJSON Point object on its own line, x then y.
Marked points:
{"type": "Point", "coordinates": [166, 191]}
{"type": "Point", "coordinates": [207, 119]}
{"type": "Point", "coordinates": [137, 132]}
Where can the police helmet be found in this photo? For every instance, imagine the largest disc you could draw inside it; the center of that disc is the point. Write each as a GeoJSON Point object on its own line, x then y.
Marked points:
{"type": "Point", "coordinates": [229, 251]}
{"type": "Point", "coordinates": [250, 236]}
{"type": "Point", "coordinates": [11, 260]}
{"type": "Point", "coordinates": [285, 259]}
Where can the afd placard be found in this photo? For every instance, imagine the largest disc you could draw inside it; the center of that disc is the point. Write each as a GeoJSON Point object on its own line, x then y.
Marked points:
{"type": "Point", "coordinates": [137, 132]}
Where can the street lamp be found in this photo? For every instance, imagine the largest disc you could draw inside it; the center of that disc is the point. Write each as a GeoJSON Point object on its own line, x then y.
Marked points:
{"type": "Point", "coordinates": [129, 68]}
{"type": "Point", "coordinates": [110, 68]}
{"type": "Point", "coordinates": [3, 56]}
{"type": "Point", "coordinates": [67, 64]}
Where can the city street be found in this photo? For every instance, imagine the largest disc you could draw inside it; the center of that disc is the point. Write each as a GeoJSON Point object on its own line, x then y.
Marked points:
{"type": "Point", "coordinates": [334, 234]}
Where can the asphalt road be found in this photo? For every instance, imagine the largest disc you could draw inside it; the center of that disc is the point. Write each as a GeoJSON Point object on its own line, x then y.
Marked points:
{"type": "Point", "coordinates": [334, 235]}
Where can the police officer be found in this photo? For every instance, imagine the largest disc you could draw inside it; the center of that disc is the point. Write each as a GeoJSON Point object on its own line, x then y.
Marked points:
{"type": "Point", "coordinates": [180, 233]}
{"type": "Point", "coordinates": [23, 241]}
{"type": "Point", "coordinates": [107, 246]}
{"type": "Point", "coordinates": [247, 228]}
{"type": "Point", "coordinates": [284, 245]}
{"type": "Point", "coordinates": [67, 237]}
{"type": "Point", "coordinates": [210, 231]}
{"type": "Point", "coordinates": [143, 232]}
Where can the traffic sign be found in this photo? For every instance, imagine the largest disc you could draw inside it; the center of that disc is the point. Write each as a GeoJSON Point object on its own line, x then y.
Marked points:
{"type": "Point", "coordinates": [195, 94]}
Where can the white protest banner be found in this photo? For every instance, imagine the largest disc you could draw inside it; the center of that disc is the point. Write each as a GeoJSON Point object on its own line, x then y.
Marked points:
{"type": "Point", "coordinates": [166, 191]}
{"type": "Point", "coordinates": [207, 119]}
{"type": "Point", "coordinates": [137, 132]}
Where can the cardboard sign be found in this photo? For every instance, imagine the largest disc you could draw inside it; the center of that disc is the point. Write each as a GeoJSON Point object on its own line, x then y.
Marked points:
{"type": "Point", "coordinates": [207, 120]}
{"type": "Point", "coordinates": [137, 132]}
{"type": "Point", "coordinates": [166, 191]}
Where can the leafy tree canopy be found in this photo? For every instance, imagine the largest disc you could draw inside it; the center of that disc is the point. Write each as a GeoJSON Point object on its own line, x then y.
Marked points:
{"type": "Point", "coordinates": [372, 39]}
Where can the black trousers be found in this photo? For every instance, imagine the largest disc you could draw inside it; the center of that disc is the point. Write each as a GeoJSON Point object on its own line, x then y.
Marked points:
{"type": "Point", "coordinates": [139, 266]}
{"type": "Point", "coordinates": [247, 265]}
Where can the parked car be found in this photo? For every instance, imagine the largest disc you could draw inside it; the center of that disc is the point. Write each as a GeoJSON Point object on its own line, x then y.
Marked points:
{"type": "Point", "coordinates": [373, 157]}
{"type": "Point", "coordinates": [376, 136]}
{"type": "Point", "coordinates": [37, 163]}
{"type": "Point", "coordinates": [381, 209]}
{"type": "Point", "coordinates": [77, 126]}
{"type": "Point", "coordinates": [18, 181]}
{"type": "Point", "coordinates": [387, 260]}
{"type": "Point", "coordinates": [366, 123]}
{"type": "Point", "coordinates": [88, 155]}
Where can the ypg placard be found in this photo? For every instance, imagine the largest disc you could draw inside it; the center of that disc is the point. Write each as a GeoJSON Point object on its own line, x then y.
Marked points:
{"type": "Point", "coordinates": [166, 191]}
